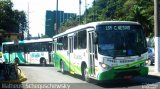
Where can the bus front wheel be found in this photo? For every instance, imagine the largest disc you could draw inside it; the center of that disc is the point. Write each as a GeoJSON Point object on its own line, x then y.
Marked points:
{"type": "Point", "coordinates": [85, 74]}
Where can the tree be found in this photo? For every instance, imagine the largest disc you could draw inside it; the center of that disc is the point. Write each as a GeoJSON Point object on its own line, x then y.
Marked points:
{"type": "Point", "coordinates": [69, 24]}
{"type": "Point", "coordinates": [141, 11]}
{"type": "Point", "coordinates": [20, 18]}
{"type": "Point", "coordinates": [104, 10]}
{"type": "Point", "coordinates": [12, 21]}
{"type": "Point", "coordinates": [6, 21]}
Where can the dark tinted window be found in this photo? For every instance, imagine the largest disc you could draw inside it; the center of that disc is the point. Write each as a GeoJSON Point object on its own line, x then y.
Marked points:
{"type": "Point", "coordinates": [121, 40]}
{"type": "Point", "coordinates": [82, 42]}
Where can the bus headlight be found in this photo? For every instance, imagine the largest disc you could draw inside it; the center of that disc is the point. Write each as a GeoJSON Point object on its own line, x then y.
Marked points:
{"type": "Point", "coordinates": [105, 66]}
{"type": "Point", "coordinates": [146, 63]}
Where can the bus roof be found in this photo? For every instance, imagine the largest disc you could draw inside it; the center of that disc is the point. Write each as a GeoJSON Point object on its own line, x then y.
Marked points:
{"type": "Point", "coordinates": [94, 24]}
{"type": "Point", "coordinates": [31, 41]}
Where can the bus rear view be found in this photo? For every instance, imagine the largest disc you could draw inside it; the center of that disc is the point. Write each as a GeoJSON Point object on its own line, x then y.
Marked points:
{"type": "Point", "coordinates": [122, 51]}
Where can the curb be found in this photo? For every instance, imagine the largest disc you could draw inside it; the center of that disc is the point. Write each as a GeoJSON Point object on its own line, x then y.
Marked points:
{"type": "Point", "coordinates": [154, 75]}
{"type": "Point", "coordinates": [39, 65]}
{"type": "Point", "coordinates": [22, 77]}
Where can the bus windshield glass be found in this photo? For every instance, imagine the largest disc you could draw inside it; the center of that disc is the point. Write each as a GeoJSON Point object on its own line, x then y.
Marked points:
{"type": "Point", "coordinates": [121, 40]}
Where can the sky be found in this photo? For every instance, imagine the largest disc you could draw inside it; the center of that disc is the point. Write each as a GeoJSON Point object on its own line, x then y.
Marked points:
{"type": "Point", "coordinates": [36, 10]}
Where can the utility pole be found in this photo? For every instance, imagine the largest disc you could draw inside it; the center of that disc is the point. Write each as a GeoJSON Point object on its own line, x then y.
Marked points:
{"type": "Point", "coordinates": [85, 11]}
{"type": "Point", "coordinates": [56, 28]}
{"type": "Point", "coordinates": [28, 23]}
{"type": "Point", "coordinates": [94, 10]}
{"type": "Point", "coordinates": [80, 11]}
{"type": "Point", "coordinates": [157, 34]}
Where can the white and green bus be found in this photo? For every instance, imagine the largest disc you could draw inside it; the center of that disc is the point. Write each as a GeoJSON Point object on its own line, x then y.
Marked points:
{"type": "Point", "coordinates": [104, 50]}
{"type": "Point", "coordinates": [34, 51]}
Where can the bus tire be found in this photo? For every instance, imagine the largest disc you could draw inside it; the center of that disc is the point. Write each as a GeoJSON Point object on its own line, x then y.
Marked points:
{"type": "Point", "coordinates": [62, 67]}
{"type": "Point", "coordinates": [85, 74]}
{"type": "Point", "coordinates": [43, 61]}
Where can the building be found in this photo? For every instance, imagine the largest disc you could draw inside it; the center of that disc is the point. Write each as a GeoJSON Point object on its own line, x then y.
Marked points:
{"type": "Point", "coordinates": [50, 22]}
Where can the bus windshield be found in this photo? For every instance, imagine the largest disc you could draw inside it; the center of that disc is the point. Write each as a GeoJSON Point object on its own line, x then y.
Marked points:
{"type": "Point", "coordinates": [121, 40]}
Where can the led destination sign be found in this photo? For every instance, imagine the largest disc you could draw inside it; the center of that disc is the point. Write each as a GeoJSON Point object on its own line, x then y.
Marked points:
{"type": "Point", "coordinates": [118, 27]}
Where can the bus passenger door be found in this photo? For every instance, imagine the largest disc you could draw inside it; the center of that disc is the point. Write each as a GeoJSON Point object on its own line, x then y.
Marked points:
{"type": "Point", "coordinates": [91, 53]}
{"type": "Point", "coordinates": [70, 51]}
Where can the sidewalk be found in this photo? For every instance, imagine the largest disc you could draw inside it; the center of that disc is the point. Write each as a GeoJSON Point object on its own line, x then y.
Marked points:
{"type": "Point", "coordinates": [152, 71]}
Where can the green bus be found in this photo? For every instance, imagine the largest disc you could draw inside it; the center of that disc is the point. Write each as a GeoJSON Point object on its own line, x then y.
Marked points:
{"type": "Point", "coordinates": [34, 51]}
{"type": "Point", "coordinates": [105, 50]}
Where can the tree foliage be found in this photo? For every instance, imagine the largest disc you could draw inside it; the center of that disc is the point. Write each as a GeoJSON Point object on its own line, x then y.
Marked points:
{"type": "Point", "coordinates": [74, 21]}
{"type": "Point", "coordinates": [141, 11]}
{"type": "Point", "coordinates": [13, 21]}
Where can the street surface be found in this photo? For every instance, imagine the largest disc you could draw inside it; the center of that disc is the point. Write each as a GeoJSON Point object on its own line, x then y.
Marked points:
{"type": "Point", "coordinates": [38, 74]}
{"type": "Point", "coordinates": [50, 75]}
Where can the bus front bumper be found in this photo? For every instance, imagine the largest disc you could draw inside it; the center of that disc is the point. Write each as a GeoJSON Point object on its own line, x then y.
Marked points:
{"type": "Point", "coordinates": [114, 74]}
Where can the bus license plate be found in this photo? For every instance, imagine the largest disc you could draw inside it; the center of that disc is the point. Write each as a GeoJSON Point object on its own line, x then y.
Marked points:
{"type": "Point", "coordinates": [127, 77]}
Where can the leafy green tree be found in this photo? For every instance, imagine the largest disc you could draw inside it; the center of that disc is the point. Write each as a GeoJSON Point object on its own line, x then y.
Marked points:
{"type": "Point", "coordinates": [74, 21]}
{"type": "Point", "coordinates": [44, 36]}
{"type": "Point", "coordinates": [6, 21]}
{"type": "Point", "coordinates": [20, 18]}
{"type": "Point", "coordinates": [12, 21]}
{"type": "Point", "coordinates": [141, 11]}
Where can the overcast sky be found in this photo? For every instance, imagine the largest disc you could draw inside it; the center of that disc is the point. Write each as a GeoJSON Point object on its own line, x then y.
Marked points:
{"type": "Point", "coordinates": [37, 10]}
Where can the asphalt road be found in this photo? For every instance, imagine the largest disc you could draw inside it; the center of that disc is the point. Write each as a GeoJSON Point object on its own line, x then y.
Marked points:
{"type": "Point", "coordinates": [38, 74]}
{"type": "Point", "coordinates": [49, 77]}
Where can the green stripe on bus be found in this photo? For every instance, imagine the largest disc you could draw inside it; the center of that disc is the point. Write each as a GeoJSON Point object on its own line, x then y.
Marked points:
{"type": "Point", "coordinates": [76, 69]}
{"type": "Point", "coordinates": [113, 73]}
{"type": "Point", "coordinates": [6, 59]}
{"type": "Point", "coordinates": [129, 65]}
{"type": "Point", "coordinates": [9, 57]}
{"type": "Point", "coordinates": [21, 58]}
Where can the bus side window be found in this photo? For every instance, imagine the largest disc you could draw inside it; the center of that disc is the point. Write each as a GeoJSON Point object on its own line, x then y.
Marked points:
{"type": "Point", "coordinates": [36, 47]}
{"type": "Point", "coordinates": [57, 44]}
{"type": "Point", "coordinates": [42, 48]}
{"type": "Point", "coordinates": [82, 44]}
{"type": "Point", "coordinates": [65, 43]}
{"type": "Point", "coordinates": [5, 48]}
{"type": "Point", "coordinates": [75, 41]}
{"type": "Point", "coordinates": [21, 48]}
{"type": "Point", "coordinates": [45, 46]}
{"type": "Point", "coordinates": [49, 47]}
{"type": "Point", "coordinates": [31, 47]}
{"type": "Point", "coordinates": [26, 49]}
{"type": "Point", "coordinates": [60, 43]}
